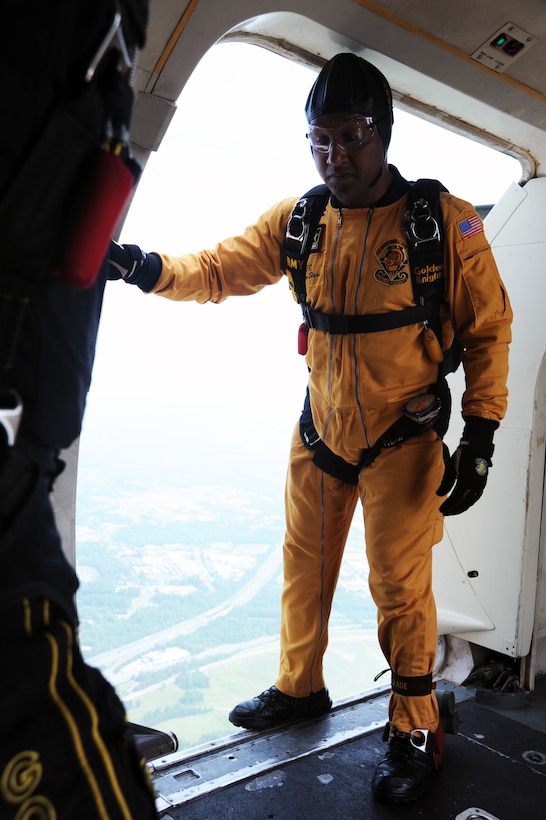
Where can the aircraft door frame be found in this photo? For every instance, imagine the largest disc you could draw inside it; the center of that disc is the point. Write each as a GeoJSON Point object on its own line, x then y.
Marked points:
{"type": "Point", "coordinates": [498, 543]}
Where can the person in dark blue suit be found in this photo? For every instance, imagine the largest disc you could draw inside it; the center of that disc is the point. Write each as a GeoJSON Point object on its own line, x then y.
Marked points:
{"type": "Point", "coordinates": [65, 748]}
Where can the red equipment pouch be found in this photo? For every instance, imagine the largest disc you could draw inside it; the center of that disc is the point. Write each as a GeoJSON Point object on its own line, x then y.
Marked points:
{"type": "Point", "coordinates": [100, 204]}
{"type": "Point", "coordinates": [303, 332]}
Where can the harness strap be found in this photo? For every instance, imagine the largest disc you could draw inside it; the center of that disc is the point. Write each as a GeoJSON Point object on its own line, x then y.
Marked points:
{"type": "Point", "coordinates": [303, 221]}
{"type": "Point", "coordinates": [339, 324]}
{"type": "Point", "coordinates": [336, 466]}
{"type": "Point", "coordinates": [423, 228]}
{"type": "Point", "coordinates": [324, 458]}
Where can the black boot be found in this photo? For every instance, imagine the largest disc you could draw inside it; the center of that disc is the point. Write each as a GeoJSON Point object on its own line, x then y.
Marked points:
{"type": "Point", "coordinates": [272, 708]}
{"type": "Point", "coordinates": [403, 773]}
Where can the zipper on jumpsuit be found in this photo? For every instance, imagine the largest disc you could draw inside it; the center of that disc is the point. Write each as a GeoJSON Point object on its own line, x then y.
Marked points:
{"type": "Point", "coordinates": [361, 283]}
{"type": "Point", "coordinates": [332, 299]}
{"type": "Point", "coordinates": [322, 619]}
{"type": "Point", "coordinates": [322, 518]}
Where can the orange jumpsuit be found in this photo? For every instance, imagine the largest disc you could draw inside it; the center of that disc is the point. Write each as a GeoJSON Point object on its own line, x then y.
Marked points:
{"type": "Point", "coordinates": [358, 385]}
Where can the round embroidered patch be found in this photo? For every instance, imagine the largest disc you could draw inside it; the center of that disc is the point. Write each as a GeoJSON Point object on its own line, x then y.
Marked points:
{"type": "Point", "coordinates": [393, 257]}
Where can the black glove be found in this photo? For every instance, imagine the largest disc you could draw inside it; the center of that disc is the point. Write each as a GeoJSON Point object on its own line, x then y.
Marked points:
{"type": "Point", "coordinates": [468, 467]}
{"type": "Point", "coordinates": [130, 263]}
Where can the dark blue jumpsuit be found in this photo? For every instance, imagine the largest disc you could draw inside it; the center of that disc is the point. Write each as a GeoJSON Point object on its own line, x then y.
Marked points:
{"type": "Point", "coordinates": [64, 749]}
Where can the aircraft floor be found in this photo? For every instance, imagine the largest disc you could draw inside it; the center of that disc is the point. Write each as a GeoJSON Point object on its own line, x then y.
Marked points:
{"type": "Point", "coordinates": [494, 769]}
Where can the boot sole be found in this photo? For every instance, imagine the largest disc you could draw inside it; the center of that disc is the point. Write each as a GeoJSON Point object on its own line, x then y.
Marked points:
{"type": "Point", "coordinates": [387, 797]}
{"type": "Point", "coordinates": [259, 726]}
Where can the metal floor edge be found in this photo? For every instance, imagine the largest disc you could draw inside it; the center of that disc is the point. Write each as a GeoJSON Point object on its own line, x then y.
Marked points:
{"type": "Point", "coordinates": [202, 771]}
{"type": "Point", "coordinates": [494, 767]}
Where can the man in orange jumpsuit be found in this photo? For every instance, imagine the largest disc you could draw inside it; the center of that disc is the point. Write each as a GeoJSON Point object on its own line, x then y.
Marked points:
{"type": "Point", "coordinates": [359, 385]}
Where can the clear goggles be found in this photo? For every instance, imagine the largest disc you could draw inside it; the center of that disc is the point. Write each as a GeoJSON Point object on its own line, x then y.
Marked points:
{"type": "Point", "coordinates": [355, 133]}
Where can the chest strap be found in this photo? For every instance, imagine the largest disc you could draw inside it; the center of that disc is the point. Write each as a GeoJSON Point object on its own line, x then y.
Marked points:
{"type": "Point", "coordinates": [338, 324]}
{"type": "Point", "coordinates": [423, 229]}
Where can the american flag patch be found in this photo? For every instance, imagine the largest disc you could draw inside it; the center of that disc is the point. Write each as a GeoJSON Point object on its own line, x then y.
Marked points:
{"type": "Point", "coordinates": [470, 227]}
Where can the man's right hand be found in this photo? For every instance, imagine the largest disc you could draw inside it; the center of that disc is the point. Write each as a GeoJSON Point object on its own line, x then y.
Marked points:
{"type": "Point", "coordinates": [130, 263]}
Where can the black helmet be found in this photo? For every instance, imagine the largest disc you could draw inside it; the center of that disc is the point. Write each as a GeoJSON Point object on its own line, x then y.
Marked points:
{"type": "Point", "coordinates": [350, 83]}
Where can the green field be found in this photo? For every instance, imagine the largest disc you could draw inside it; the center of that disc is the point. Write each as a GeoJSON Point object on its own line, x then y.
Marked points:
{"type": "Point", "coordinates": [352, 661]}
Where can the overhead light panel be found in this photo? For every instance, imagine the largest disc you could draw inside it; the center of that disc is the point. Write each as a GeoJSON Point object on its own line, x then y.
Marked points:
{"type": "Point", "coordinates": [507, 44]}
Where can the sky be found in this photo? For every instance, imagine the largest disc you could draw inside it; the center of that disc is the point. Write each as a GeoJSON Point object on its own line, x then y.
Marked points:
{"type": "Point", "coordinates": [210, 393]}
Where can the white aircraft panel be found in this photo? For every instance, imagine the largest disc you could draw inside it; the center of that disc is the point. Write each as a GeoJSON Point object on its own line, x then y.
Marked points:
{"type": "Point", "coordinates": [498, 540]}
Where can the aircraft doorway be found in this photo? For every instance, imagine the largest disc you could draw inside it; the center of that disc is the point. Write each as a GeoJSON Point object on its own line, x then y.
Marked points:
{"type": "Point", "coordinates": [185, 440]}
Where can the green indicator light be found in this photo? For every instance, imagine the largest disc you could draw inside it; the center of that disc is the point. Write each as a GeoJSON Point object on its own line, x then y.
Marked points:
{"type": "Point", "coordinates": [500, 40]}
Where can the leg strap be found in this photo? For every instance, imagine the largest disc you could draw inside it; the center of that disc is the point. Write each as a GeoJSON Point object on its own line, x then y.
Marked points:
{"type": "Point", "coordinates": [323, 457]}
{"type": "Point", "coordinates": [412, 687]}
{"type": "Point", "coordinates": [327, 461]}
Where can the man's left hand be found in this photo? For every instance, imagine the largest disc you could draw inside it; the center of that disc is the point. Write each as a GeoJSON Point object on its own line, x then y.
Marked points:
{"type": "Point", "coordinates": [468, 468]}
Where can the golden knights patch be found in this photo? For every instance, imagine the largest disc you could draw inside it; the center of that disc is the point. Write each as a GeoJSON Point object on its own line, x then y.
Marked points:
{"type": "Point", "coordinates": [428, 274]}
{"type": "Point", "coordinates": [393, 257]}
